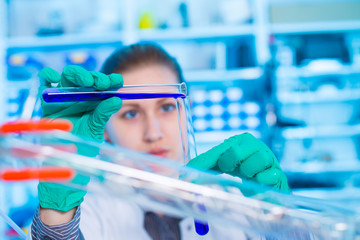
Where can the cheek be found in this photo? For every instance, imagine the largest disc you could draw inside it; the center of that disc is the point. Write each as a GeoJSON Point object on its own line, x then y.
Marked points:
{"type": "Point", "coordinates": [170, 128]}
{"type": "Point", "coordinates": [127, 135]}
{"type": "Point", "coordinates": [179, 139]}
{"type": "Point", "coordinates": [172, 131]}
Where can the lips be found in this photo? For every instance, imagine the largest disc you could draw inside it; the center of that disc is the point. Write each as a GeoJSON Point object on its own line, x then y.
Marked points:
{"type": "Point", "coordinates": [160, 152]}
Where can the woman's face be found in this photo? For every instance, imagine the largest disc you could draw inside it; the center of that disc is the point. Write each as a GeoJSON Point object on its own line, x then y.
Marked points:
{"type": "Point", "coordinates": [149, 125]}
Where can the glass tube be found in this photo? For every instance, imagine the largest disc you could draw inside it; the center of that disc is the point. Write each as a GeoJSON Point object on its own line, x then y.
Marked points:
{"type": "Point", "coordinates": [150, 181]}
{"type": "Point", "coordinates": [75, 94]}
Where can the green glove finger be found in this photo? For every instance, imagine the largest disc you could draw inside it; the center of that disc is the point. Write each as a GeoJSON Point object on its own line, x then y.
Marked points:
{"type": "Point", "coordinates": [101, 81]}
{"type": "Point", "coordinates": [75, 76]}
{"type": "Point", "coordinates": [256, 163]}
{"type": "Point", "coordinates": [273, 177]}
{"type": "Point", "coordinates": [48, 75]}
{"type": "Point", "coordinates": [208, 160]}
{"type": "Point", "coordinates": [231, 160]}
{"type": "Point", "coordinates": [246, 144]}
{"type": "Point", "coordinates": [116, 80]}
{"type": "Point", "coordinates": [102, 114]}
{"type": "Point", "coordinates": [283, 185]}
{"type": "Point", "coordinates": [270, 177]}
{"type": "Point", "coordinates": [227, 161]}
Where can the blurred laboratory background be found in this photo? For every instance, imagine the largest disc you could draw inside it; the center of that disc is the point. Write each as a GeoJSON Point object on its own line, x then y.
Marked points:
{"type": "Point", "coordinates": [286, 71]}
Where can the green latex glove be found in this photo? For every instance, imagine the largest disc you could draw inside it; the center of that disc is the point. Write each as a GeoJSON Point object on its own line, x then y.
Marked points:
{"type": "Point", "coordinates": [246, 157]}
{"type": "Point", "coordinates": [88, 118]}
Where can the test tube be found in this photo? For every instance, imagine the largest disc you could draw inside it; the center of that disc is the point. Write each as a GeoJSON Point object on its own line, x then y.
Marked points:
{"type": "Point", "coordinates": [75, 94]}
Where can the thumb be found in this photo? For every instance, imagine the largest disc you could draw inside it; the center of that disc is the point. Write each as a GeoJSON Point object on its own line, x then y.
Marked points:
{"type": "Point", "coordinates": [270, 177]}
{"type": "Point", "coordinates": [102, 114]}
{"type": "Point", "coordinates": [47, 76]}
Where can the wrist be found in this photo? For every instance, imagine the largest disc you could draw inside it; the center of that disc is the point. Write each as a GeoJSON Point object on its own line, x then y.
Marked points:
{"type": "Point", "coordinates": [55, 217]}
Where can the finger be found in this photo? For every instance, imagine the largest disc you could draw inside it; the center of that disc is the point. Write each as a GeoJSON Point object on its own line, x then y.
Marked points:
{"type": "Point", "coordinates": [116, 80]}
{"type": "Point", "coordinates": [283, 184]}
{"type": "Point", "coordinates": [101, 80]}
{"type": "Point", "coordinates": [75, 76]}
{"type": "Point", "coordinates": [228, 161]}
{"type": "Point", "coordinates": [102, 114]}
{"type": "Point", "coordinates": [47, 76]}
{"type": "Point", "coordinates": [270, 177]}
{"type": "Point", "coordinates": [256, 163]}
{"type": "Point", "coordinates": [246, 145]}
{"type": "Point", "coordinates": [209, 159]}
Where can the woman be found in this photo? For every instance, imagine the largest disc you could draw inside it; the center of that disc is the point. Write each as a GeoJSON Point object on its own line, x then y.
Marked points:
{"type": "Point", "coordinates": [151, 126]}
{"type": "Point", "coordinates": [153, 122]}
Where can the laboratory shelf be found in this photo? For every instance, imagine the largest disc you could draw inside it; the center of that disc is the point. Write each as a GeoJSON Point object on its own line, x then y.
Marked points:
{"type": "Point", "coordinates": [320, 131]}
{"type": "Point", "coordinates": [315, 27]}
{"type": "Point", "coordinates": [313, 167]}
{"type": "Point", "coordinates": [64, 40]}
{"type": "Point", "coordinates": [141, 35]}
{"type": "Point", "coordinates": [327, 69]}
{"type": "Point", "coordinates": [347, 95]}
{"type": "Point", "coordinates": [224, 75]}
{"type": "Point", "coordinates": [306, 178]}
{"type": "Point", "coordinates": [196, 33]}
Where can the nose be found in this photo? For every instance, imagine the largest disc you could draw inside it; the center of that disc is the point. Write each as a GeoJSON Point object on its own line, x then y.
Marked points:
{"type": "Point", "coordinates": [152, 131]}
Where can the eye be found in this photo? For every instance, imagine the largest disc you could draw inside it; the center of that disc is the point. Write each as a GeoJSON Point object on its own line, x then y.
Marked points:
{"type": "Point", "coordinates": [131, 114]}
{"type": "Point", "coordinates": [168, 107]}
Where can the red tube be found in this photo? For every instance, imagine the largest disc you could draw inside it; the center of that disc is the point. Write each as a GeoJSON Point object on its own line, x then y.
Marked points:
{"type": "Point", "coordinates": [40, 173]}
{"type": "Point", "coordinates": [34, 126]}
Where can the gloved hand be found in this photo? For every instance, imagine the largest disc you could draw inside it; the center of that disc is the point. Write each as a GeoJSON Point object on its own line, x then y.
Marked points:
{"type": "Point", "coordinates": [88, 118]}
{"type": "Point", "coordinates": [246, 157]}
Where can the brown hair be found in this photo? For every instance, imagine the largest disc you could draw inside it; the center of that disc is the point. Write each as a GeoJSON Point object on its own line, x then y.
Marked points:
{"type": "Point", "coordinates": [140, 54]}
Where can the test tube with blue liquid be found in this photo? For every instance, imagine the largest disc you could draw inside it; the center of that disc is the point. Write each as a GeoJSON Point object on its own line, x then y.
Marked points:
{"type": "Point", "coordinates": [129, 92]}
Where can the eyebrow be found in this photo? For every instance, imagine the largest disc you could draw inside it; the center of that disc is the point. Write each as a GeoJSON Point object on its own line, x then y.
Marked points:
{"type": "Point", "coordinates": [130, 105]}
{"type": "Point", "coordinates": [161, 100]}
{"type": "Point", "coordinates": [164, 99]}
{"type": "Point", "coordinates": [138, 107]}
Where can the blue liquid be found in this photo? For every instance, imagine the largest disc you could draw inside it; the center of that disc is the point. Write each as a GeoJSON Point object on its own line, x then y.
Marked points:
{"type": "Point", "coordinates": [201, 228]}
{"type": "Point", "coordinates": [56, 95]}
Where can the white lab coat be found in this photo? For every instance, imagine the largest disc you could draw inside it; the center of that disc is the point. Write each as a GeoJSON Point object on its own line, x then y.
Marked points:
{"type": "Point", "coordinates": [107, 217]}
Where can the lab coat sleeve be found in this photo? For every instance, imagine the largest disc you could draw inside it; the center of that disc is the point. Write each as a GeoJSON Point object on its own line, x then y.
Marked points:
{"type": "Point", "coordinates": [70, 230]}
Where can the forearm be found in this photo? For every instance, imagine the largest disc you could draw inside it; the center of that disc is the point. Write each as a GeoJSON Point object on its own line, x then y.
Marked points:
{"type": "Point", "coordinates": [56, 225]}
